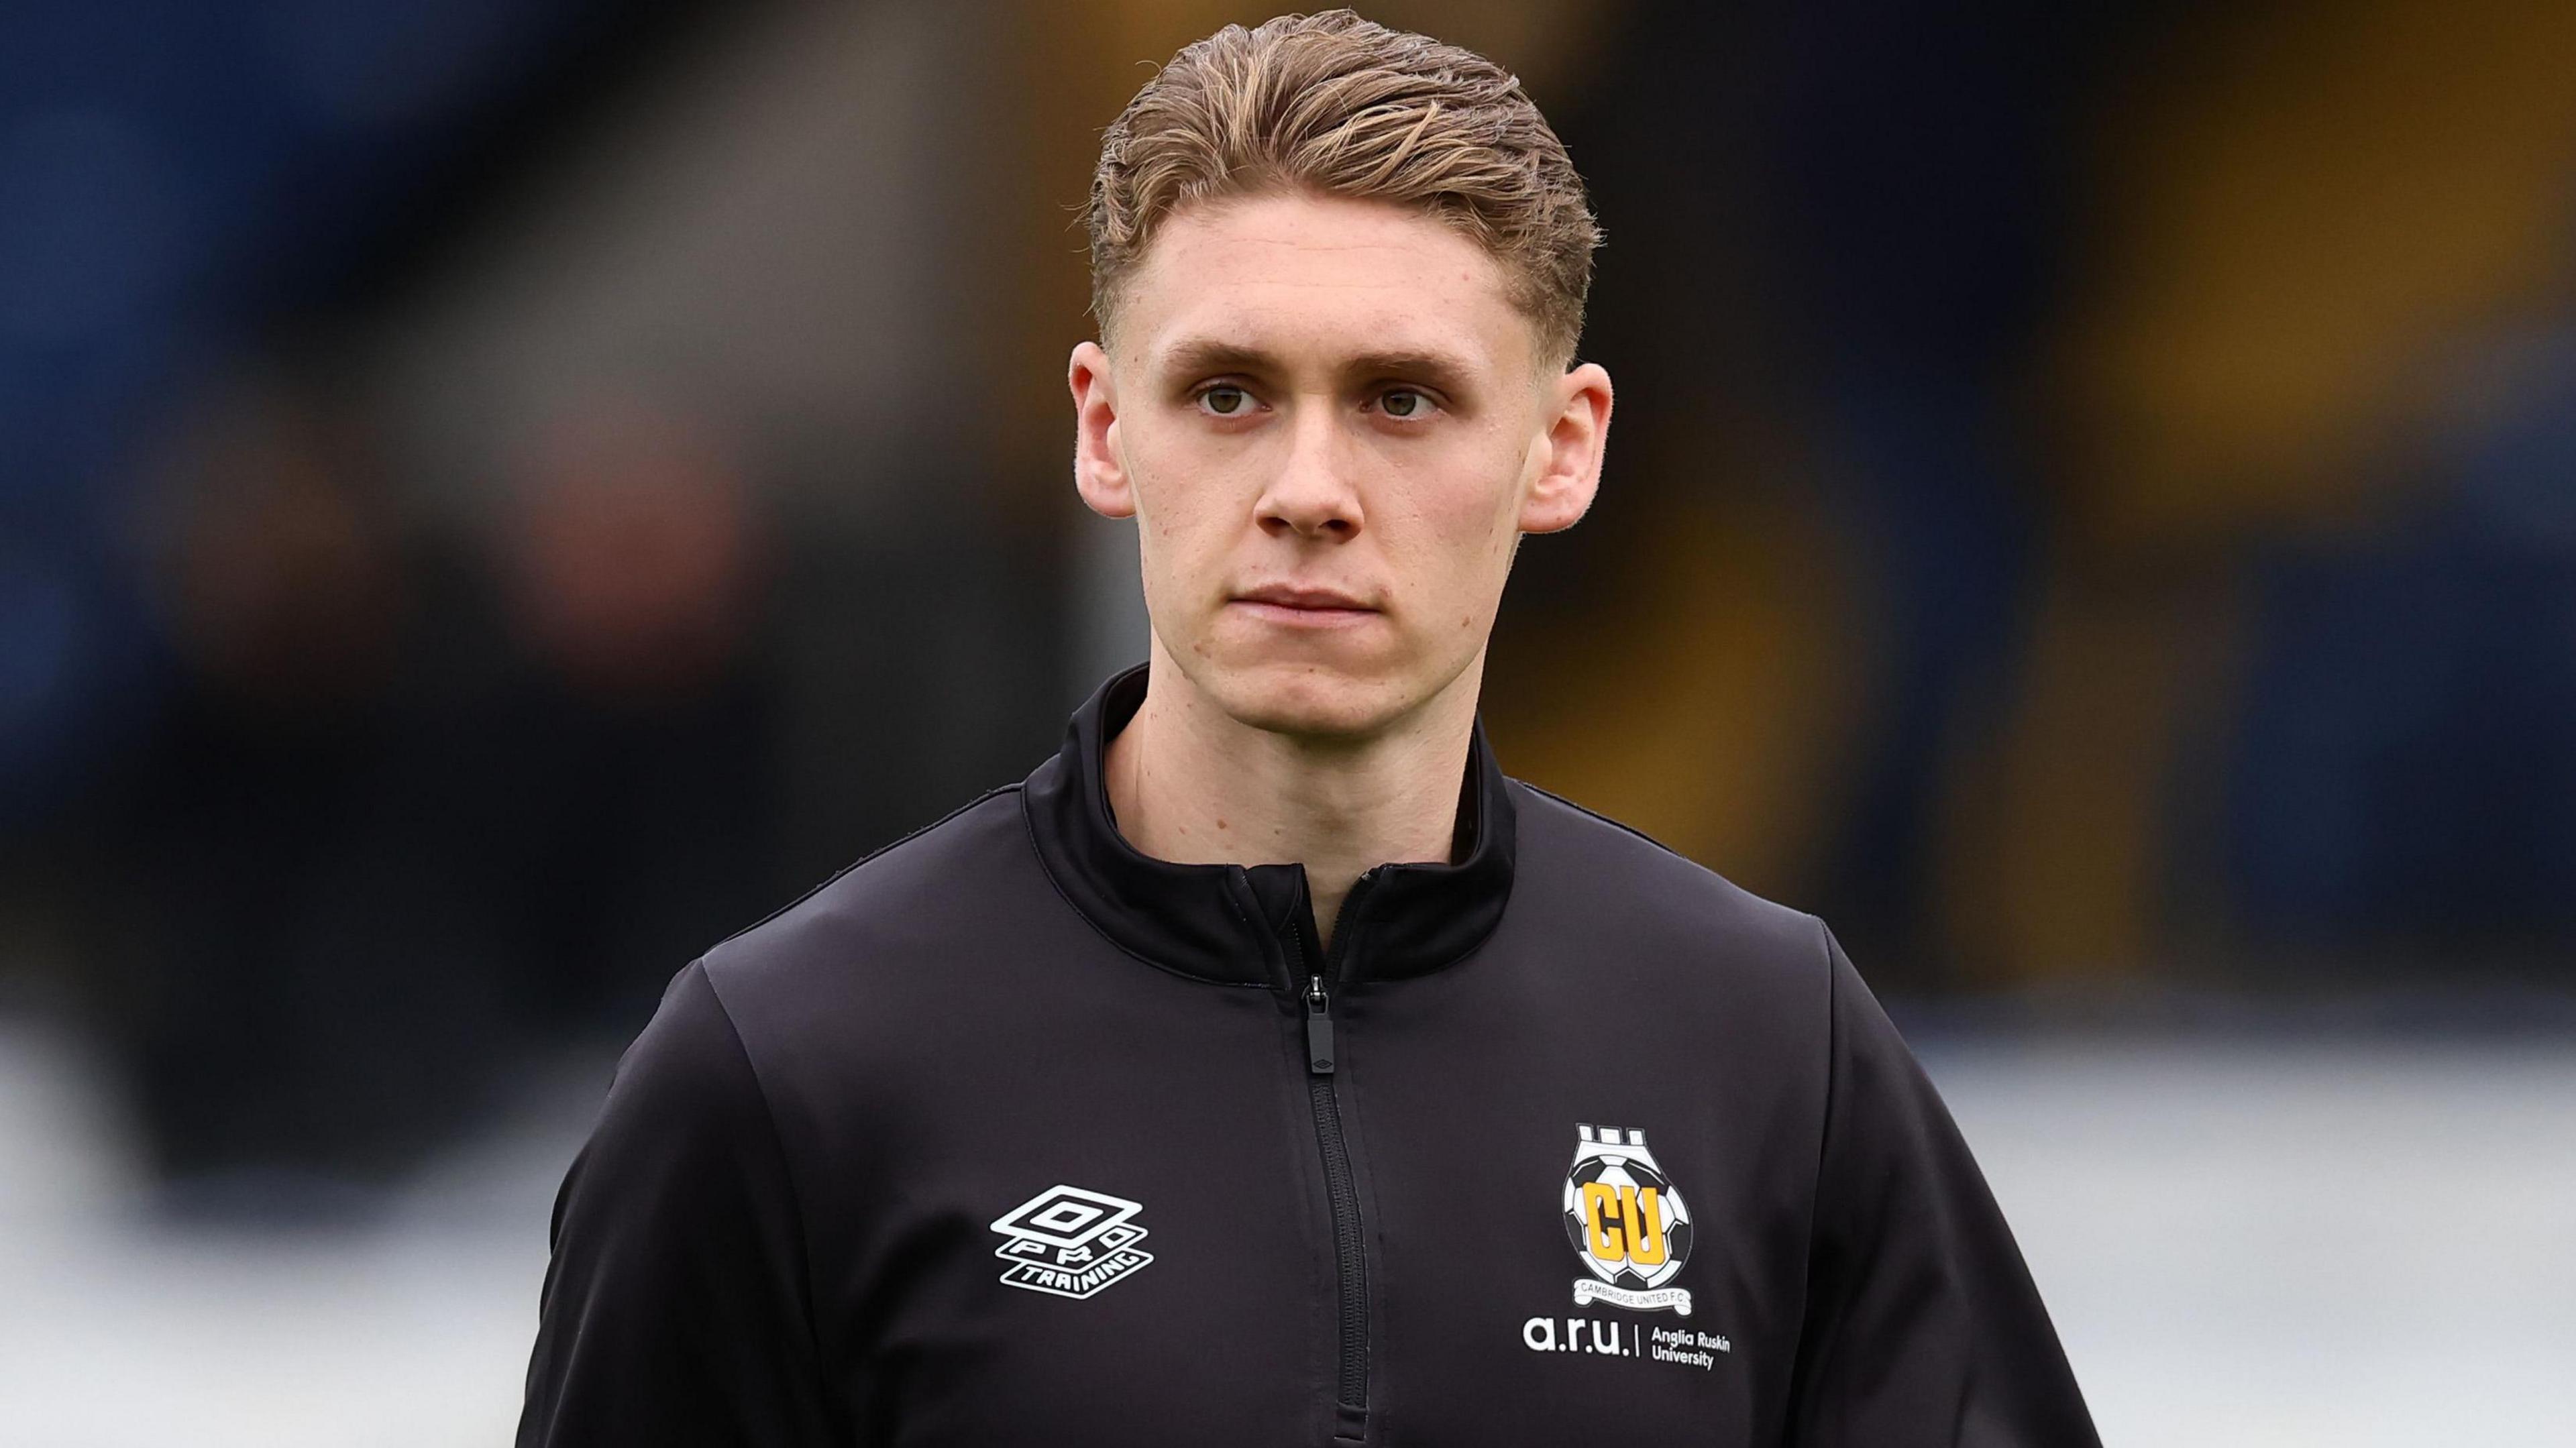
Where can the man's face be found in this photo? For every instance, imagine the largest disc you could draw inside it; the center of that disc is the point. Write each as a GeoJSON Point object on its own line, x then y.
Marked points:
{"type": "Point", "coordinates": [1332, 427]}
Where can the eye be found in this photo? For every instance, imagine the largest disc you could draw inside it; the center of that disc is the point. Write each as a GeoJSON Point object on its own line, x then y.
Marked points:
{"type": "Point", "coordinates": [1405, 404]}
{"type": "Point", "coordinates": [1225, 400]}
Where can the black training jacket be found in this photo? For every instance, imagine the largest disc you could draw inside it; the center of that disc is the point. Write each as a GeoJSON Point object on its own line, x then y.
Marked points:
{"type": "Point", "coordinates": [1011, 1135]}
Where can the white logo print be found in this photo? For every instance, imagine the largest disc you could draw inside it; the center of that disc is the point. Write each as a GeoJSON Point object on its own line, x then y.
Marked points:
{"type": "Point", "coordinates": [1627, 1223]}
{"type": "Point", "coordinates": [1070, 1242]}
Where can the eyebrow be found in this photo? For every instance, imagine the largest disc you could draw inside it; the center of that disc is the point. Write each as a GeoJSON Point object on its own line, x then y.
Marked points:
{"type": "Point", "coordinates": [1203, 356]}
{"type": "Point", "coordinates": [1206, 355]}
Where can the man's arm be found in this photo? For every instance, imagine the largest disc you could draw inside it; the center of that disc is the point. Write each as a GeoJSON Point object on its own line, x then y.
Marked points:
{"type": "Point", "coordinates": [1922, 1326]}
{"type": "Point", "coordinates": [676, 1308]}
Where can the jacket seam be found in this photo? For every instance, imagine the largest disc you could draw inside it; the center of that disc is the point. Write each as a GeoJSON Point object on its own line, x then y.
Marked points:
{"type": "Point", "coordinates": [1621, 826]}
{"type": "Point", "coordinates": [786, 1171]}
{"type": "Point", "coordinates": [1824, 1138]}
{"type": "Point", "coordinates": [835, 877]}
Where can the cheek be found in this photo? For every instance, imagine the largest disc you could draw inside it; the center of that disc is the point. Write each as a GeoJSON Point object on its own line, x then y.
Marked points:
{"type": "Point", "coordinates": [1461, 534]}
{"type": "Point", "coordinates": [1153, 471]}
{"type": "Point", "coordinates": [1181, 507]}
{"type": "Point", "coordinates": [1457, 488]}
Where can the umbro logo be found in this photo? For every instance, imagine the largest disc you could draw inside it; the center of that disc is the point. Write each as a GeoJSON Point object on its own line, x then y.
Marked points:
{"type": "Point", "coordinates": [1070, 1242]}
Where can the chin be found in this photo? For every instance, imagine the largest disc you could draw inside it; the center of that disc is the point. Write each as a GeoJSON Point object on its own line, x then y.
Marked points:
{"type": "Point", "coordinates": [1311, 698]}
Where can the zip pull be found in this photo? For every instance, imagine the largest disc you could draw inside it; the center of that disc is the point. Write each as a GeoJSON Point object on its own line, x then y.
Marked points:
{"type": "Point", "coordinates": [1319, 1028]}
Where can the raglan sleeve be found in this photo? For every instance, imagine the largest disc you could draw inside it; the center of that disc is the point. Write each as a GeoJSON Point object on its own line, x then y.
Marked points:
{"type": "Point", "coordinates": [1922, 1325]}
{"type": "Point", "coordinates": [674, 1309]}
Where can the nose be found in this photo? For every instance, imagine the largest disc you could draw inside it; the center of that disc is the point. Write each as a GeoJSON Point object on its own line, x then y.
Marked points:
{"type": "Point", "coordinates": [1312, 494]}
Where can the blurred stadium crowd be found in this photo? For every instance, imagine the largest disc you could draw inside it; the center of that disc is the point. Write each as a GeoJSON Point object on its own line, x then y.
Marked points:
{"type": "Point", "coordinates": [496, 494]}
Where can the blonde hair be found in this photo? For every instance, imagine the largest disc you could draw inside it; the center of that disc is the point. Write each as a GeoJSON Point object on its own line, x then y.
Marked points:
{"type": "Point", "coordinates": [1340, 105]}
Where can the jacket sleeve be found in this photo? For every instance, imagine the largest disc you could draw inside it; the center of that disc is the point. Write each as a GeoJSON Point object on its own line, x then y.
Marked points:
{"type": "Point", "coordinates": [675, 1309]}
{"type": "Point", "coordinates": [1922, 1326]}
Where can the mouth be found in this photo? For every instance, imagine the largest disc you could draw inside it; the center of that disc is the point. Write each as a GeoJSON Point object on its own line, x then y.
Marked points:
{"type": "Point", "coordinates": [1301, 606]}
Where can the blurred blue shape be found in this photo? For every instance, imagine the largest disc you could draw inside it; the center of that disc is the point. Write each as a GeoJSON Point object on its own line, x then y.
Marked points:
{"type": "Point", "coordinates": [40, 664]}
{"type": "Point", "coordinates": [95, 229]}
{"type": "Point", "coordinates": [398, 60]}
{"type": "Point", "coordinates": [2517, 453]}
{"type": "Point", "coordinates": [170, 174]}
{"type": "Point", "coordinates": [2406, 770]}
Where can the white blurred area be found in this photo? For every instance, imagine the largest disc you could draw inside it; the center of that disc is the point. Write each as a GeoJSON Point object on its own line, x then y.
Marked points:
{"type": "Point", "coordinates": [120, 1332]}
{"type": "Point", "coordinates": [2286, 1243]}
{"type": "Point", "coordinates": [2245, 1241]}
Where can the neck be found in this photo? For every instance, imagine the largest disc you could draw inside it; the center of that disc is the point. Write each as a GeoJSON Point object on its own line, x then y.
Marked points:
{"type": "Point", "coordinates": [1193, 785]}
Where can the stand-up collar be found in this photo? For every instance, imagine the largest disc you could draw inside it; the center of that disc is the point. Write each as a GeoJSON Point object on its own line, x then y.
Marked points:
{"type": "Point", "coordinates": [1250, 925]}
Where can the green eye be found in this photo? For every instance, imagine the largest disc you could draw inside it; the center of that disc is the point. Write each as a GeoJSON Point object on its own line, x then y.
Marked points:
{"type": "Point", "coordinates": [1224, 401]}
{"type": "Point", "coordinates": [1403, 404]}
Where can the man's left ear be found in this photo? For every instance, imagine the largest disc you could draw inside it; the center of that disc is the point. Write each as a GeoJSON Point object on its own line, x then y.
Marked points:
{"type": "Point", "coordinates": [1570, 467]}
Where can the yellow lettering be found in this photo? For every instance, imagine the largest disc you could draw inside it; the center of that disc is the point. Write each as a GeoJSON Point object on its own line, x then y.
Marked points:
{"type": "Point", "coordinates": [1645, 1225]}
{"type": "Point", "coordinates": [1600, 1200]}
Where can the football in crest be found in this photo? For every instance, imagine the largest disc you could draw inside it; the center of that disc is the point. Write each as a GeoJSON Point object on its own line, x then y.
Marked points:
{"type": "Point", "coordinates": [1623, 1215]}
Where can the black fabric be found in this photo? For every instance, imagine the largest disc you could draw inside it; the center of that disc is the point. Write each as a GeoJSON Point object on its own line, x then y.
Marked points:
{"type": "Point", "coordinates": [1409, 919]}
{"type": "Point", "coordinates": [794, 1224]}
{"type": "Point", "coordinates": [688, 1294]}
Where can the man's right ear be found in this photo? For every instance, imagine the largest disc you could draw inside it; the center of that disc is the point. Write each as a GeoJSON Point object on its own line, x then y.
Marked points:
{"type": "Point", "coordinates": [1099, 472]}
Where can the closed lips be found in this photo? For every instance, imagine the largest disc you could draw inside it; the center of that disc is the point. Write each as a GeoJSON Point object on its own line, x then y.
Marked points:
{"type": "Point", "coordinates": [1318, 599]}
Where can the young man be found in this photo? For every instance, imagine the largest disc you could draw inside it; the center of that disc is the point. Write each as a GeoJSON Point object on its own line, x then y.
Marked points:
{"type": "Point", "coordinates": [1267, 1068]}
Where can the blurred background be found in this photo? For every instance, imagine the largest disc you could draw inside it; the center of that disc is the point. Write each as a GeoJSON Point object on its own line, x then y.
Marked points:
{"type": "Point", "coordinates": [497, 494]}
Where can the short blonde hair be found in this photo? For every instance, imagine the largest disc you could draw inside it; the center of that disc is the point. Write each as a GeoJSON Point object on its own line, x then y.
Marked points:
{"type": "Point", "coordinates": [1341, 105]}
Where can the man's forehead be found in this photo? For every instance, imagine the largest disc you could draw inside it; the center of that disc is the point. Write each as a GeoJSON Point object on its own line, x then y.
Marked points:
{"type": "Point", "coordinates": [1251, 347]}
{"type": "Point", "coordinates": [1289, 228]}
{"type": "Point", "coordinates": [1320, 279]}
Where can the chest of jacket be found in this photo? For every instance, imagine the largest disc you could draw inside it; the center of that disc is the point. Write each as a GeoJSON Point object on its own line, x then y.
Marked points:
{"type": "Point", "coordinates": [1100, 1204]}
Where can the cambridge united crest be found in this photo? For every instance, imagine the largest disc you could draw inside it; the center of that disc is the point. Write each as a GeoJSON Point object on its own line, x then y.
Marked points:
{"type": "Point", "coordinates": [1627, 1223]}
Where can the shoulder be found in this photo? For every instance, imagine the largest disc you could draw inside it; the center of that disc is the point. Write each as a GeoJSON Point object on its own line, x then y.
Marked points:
{"type": "Point", "coordinates": [965, 878]}
{"type": "Point", "coordinates": [688, 1051]}
{"type": "Point", "coordinates": [1586, 873]}
{"type": "Point", "coordinates": [684, 1096]}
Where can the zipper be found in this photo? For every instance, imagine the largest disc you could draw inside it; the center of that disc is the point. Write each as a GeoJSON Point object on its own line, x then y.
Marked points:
{"type": "Point", "coordinates": [1319, 1028]}
{"type": "Point", "coordinates": [1340, 1185]}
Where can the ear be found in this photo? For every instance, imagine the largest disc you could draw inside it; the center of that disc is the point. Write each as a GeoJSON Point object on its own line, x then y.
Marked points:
{"type": "Point", "coordinates": [1099, 472]}
{"type": "Point", "coordinates": [1569, 454]}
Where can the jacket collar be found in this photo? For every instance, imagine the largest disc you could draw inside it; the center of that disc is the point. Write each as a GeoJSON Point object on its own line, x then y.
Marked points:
{"type": "Point", "coordinates": [1251, 925]}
